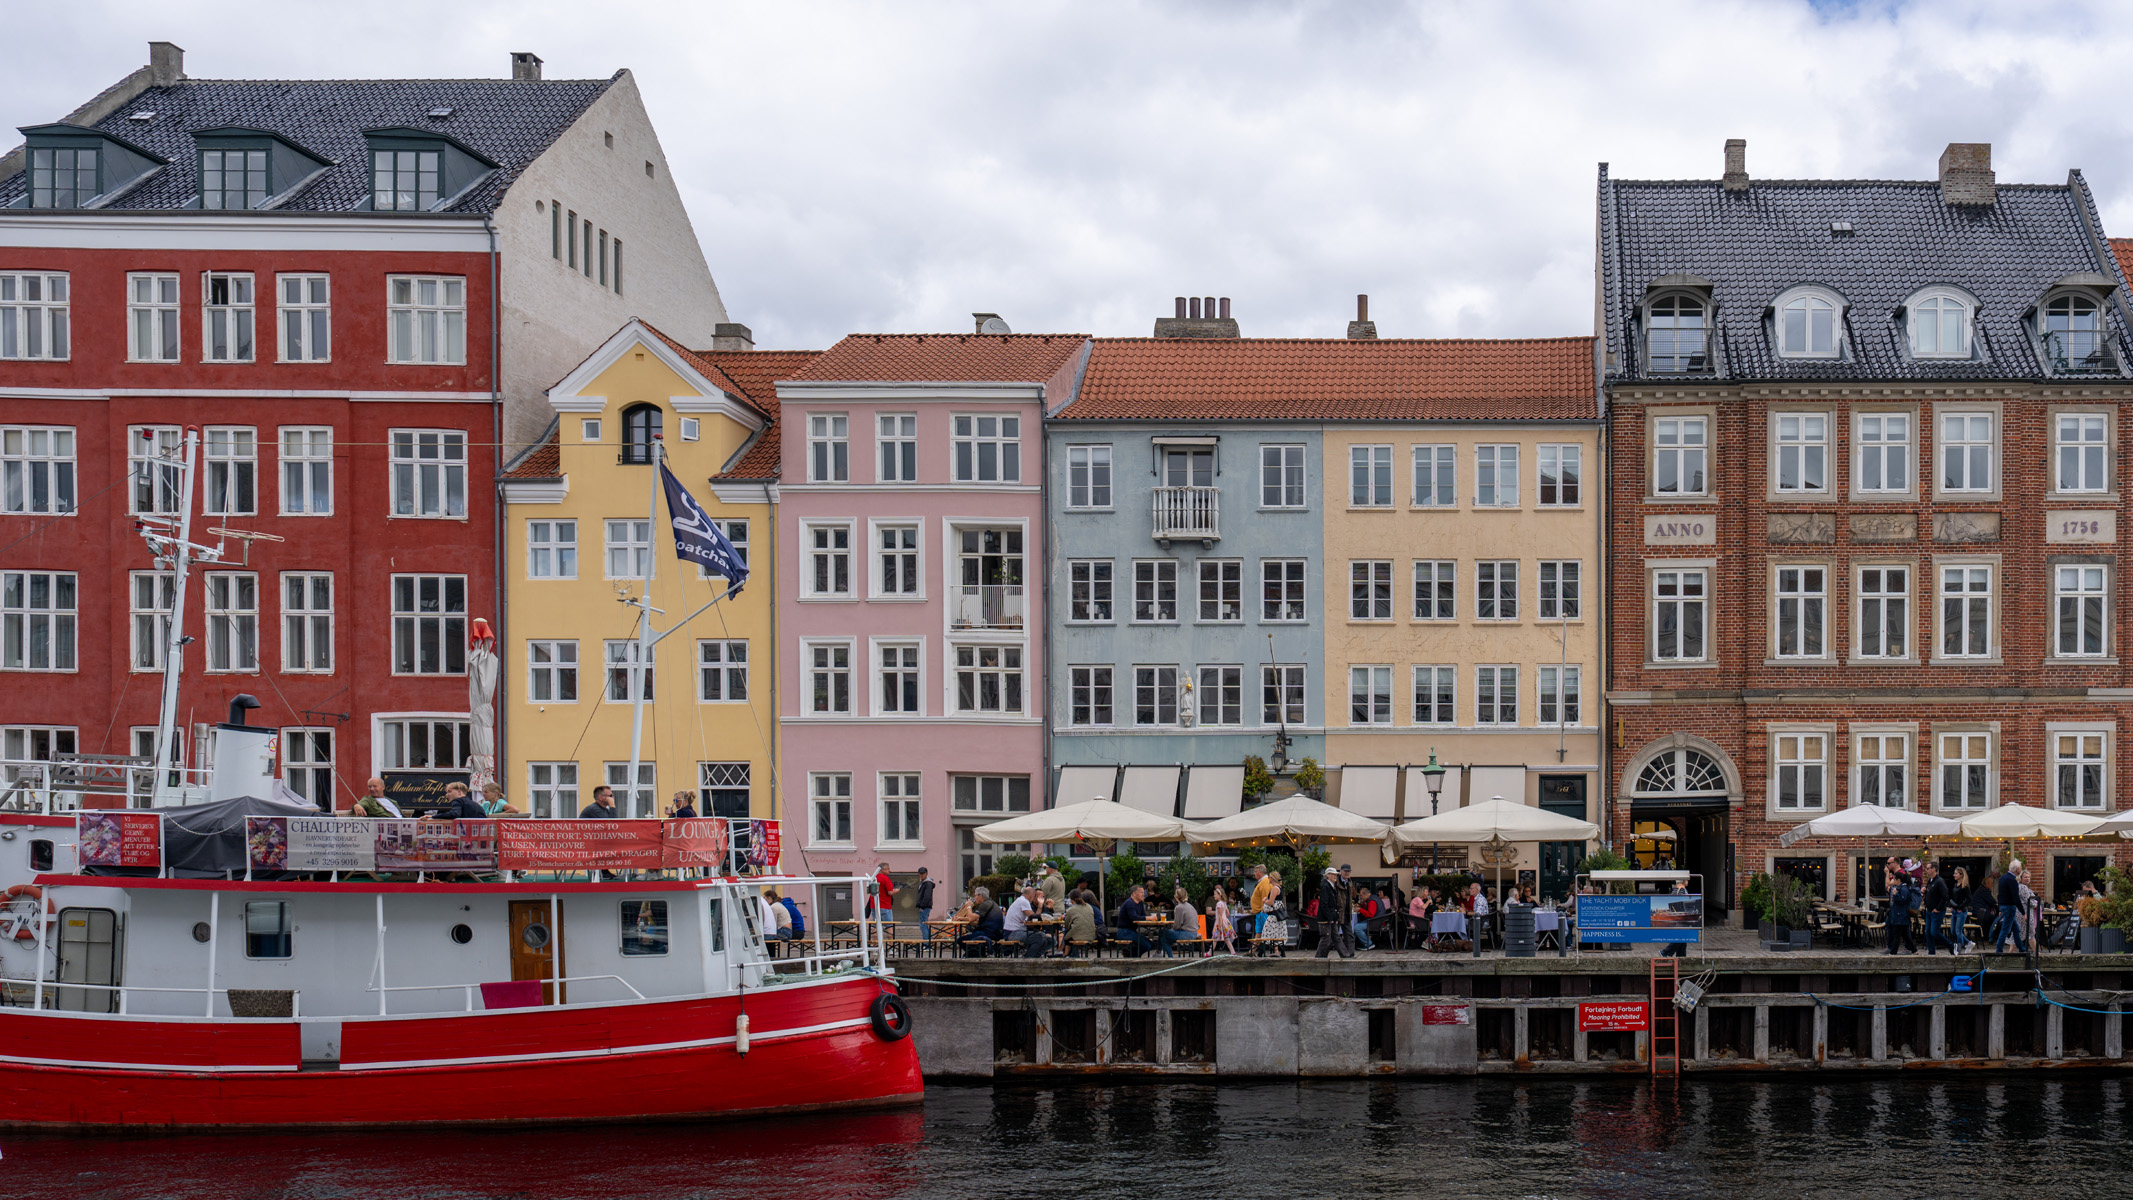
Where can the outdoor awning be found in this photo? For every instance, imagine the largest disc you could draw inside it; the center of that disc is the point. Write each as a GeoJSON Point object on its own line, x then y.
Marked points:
{"type": "Point", "coordinates": [1213, 792]}
{"type": "Point", "coordinates": [1369, 791]}
{"type": "Point", "coordinates": [1077, 784]}
{"type": "Point", "coordinates": [1151, 789]}
{"type": "Point", "coordinates": [1491, 782]}
{"type": "Point", "coordinates": [1418, 792]}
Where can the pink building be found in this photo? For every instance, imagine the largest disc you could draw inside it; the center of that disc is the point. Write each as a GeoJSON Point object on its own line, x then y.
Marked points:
{"type": "Point", "coordinates": [910, 541]}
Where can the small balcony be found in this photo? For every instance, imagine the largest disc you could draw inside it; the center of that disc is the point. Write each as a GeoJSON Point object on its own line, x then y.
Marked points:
{"type": "Point", "coordinates": [988, 606]}
{"type": "Point", "coordinates": [1188, 512]}
{"type": "Point", "coordinates": [2080, 352]}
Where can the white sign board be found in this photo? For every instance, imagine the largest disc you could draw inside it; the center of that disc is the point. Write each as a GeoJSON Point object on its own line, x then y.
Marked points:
{"type": "Point", "coordinates": [1687, 529]}
{"type": "Point", "coordinates": [2083, 527]}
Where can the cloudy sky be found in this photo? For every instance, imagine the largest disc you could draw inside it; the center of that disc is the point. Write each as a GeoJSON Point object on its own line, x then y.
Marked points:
{"type": "Point", "coordinates": [1073, 166]}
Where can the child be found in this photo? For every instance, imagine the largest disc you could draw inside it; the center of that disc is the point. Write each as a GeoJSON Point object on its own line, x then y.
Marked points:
{"type": "Point", "coordinates": [1223, 931]}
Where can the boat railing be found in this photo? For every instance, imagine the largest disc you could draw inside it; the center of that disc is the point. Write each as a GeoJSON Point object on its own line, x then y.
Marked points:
{"type": "Point", "coordinates": [470, 988]}
{"type": "Point", "coordinates": [40, 986]}
{"type": "Point", "coordinates": [69, 782]}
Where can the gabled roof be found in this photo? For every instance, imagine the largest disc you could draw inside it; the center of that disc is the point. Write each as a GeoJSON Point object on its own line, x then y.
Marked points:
{"type": "Point", "coordinates": [944, 358]}
{"type": "Point", "coordinates": [756, 373]}
{"type": "Point", "coordinates": [544, 460]}
{"type": "Point", "coordinates": [507, 121]}
{"type": "Point", "coordinates": [1336, 379]}
{"type": "Point", "coordinates": [1755, 244]}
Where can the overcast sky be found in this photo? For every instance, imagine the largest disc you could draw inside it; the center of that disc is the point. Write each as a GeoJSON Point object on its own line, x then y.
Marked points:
{"type": "Point", "coordinates": [1073, 166]}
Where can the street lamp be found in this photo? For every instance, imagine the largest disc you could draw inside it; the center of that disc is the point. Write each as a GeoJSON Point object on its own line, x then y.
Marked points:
{"type": "Point", "coordinates": [1280, 760]}
{"type": "Point", "coordinates": [1433, 779]}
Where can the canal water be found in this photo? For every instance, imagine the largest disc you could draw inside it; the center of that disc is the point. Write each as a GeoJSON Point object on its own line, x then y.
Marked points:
{"type": "Point", "coordinates": [2042, 1135]}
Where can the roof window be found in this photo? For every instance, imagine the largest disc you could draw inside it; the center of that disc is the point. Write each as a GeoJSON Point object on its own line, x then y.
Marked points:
{"type": "Point", "coordinates": [415, 170]}
{"type": "Point", "coordinates": [2074, 341]}
{"type": "Point", "coordinates": [1940, 324]}
{"type": "Point", "coordinates": [1679, 334]}
{"type": "Point", "coordinates": [71, 166]}
{"type": "Point", "coordinates": [1808, 323]}
{"type": "Point", "coordinates": [242, 167]}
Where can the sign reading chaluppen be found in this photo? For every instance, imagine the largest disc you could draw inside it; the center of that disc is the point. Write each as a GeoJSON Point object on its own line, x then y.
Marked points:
{"type": "Point", "coordinates": [1661, 918]}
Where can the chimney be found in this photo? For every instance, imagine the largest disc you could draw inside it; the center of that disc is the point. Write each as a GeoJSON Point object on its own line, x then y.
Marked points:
{"type": "Point", "coordinates": [1736, 177]}
{"type": "Point", "coordinates": [725, 335]}
{"type": "Point", "coordinates": [525, 64]}
{"type": "Point", "coordinates": [1362, 329]}
{"type": "Point", "coordinates": [1198, 317]}
{"type": "Point", "coordinates": [1966, 174]}
{"type": "Point", "coordinates": [166, 63]}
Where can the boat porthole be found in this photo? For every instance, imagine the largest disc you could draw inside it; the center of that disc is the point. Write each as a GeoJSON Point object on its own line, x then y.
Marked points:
{"type": "Point", "coordinates": [462, 934]}
{"type": "Point", "coordinates": [535, 937]}
{"type": "Point", "coordinates": [201, 932]}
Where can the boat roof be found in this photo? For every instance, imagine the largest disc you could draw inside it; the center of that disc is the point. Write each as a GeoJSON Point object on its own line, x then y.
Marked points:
{"type": "Point", "coordinates": [541, 887]}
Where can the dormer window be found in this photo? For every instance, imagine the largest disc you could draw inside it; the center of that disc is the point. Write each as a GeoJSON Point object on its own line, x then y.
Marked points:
{"type": "Point", "coordinates": [405, 180]}
{"type": "Point", "coordinates": [1679, 337]}
{"type": "Point", "coordinates": [640, 427]}
{"type": "Point", "coordinates": [73, 166]}
{"type": "Point", "coordinates": [63, 178]}
{"type": "Point", "coordinates": [1807, 324]}
{"type": "Point", "coordinates": [2073, 334]}
{"type": "Point", "coordinates": [233, 178]}
{"type": "Point", "coordinates": [1940, 320]}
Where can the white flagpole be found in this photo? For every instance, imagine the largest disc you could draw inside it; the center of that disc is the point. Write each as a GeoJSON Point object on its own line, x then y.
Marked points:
{"type": "Point", "coordinates": [644, 631]}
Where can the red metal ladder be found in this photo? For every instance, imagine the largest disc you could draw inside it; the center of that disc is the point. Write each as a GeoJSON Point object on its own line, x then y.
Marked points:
{"type": "Point", "coordinates": [1665, 1037]}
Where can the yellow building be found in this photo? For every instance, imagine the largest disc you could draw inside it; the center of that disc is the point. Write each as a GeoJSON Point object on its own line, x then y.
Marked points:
{"type": "Point", "coordinates": [1463, 579]}
{"type": "Point", "coordinates": [582, 534]}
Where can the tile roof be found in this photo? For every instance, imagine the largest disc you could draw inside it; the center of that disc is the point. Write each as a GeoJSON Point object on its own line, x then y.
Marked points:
{"type": "Point", "coordinates": [544, 461]}
{"type": "Point", "coordinates": [945, 358]}
{"type": "Point", "coordinates": [1754, 245]}
{"type": "Point", "coordinates": [756, 373]}
{"type": "Point", "coordinates": [1335, 379]}
{"type": "Point", "coordinates": [2122, 250]}
{"type": "Point", "coordinates": [510, 121]}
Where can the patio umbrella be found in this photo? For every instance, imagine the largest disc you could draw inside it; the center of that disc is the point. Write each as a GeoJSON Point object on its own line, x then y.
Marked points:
{"type": "Point", "coordinates": [1495, 820]}
{"type": "Point", "coordinates": [2122, 825]}
{"type": "Point", "coordinates": [482, 668]}
{"type": "Point", "coordinates": [1871, 821]}
{"type": "Point", "coordinates": [2011, 821]}
{"type": "Point", "coordinates": [1294, 822]}
{"type": "Point", "coordinates": [1101, 823]}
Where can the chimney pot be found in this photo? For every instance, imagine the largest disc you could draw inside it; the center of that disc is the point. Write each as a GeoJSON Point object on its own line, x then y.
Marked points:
{"type": "Point", "coordinates": [1966, 175]}
{"type": "Point", "coordinates": [1181, 308]}
{"type": "Point", "coordinates": [1736, 177]}
{"type": "Point", "coordinates": [1194, 309]}
{"type": "Point", "coordinates": [1225, 308]}
{"type": "Point", "coordinates": [166, 63]}
{"type": "Point", "coordinates": [1198, 317]}
{"type": "Point", "coordinates": [525, 64]}
{"type": "Point", "coordinates": [1362, 329]}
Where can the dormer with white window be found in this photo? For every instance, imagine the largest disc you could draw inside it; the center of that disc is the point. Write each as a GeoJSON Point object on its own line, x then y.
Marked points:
{"type": "Point", "coordinates": [244, 168]}
{"type": "Point", "coordinates": [1937, 322]}
{"type": "Point", "coordinates": [419, 170]}
{"type": "Point", "coordinates": [75, 167]}
{"type": "Point", "coordinates": [2071, 333]}
{"type": "Point", "coordinates": [1677, 314]}
{"type": "Point", "coordinates": [1807, 322]}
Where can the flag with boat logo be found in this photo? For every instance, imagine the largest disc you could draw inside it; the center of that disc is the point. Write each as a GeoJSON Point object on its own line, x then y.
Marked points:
{"type": "Point", "coordinates": [697, 538]}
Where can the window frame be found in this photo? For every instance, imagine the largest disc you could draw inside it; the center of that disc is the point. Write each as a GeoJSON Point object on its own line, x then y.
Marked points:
{"type": "Point", "coordinates": [1440, 600]}
{"type": "Point", "coordinates": [725, 668]}
{"type": "Point", "coordinates": [1807, 300]}
{"type": "Point", "coordinates": [1560, 687]}
{"type": "Point", "coordinates": [2100, 597]}
{"type": "Point", "coordinates": [1154, 584]}
{"type": "Point", "coordinates": [1702, 602]}
{"type": "Point", "coordinates": [1149, 680]}
{"type": "Point", "coordinates": [2056, 735]}
{"type": "Point", "coordinates": [1085, 492]}
{"type": "Point", "coordinates": [1861, 597]}
{"type": "Point", "coordinates": [296, 447]}
{"type": "Point", "coordinates": [2105, 452]}
{"type": "Point", "coordinates": [1963, 302]}
{"type": "Point", "coordinates": [1370, 695]}
{"type": "Point", "coordinates": [1568, 473]}
{"type": "Point", "coordinates": [164, 318]}
{"type": "Point", "coordinates": [1441, 490]}
{"type": "Point", "coordinates": [1995, 455]}
{"type": "Point", "coordinates": [619, 678]}
{"type": "Point", "coordinates": [1228, 573]}
{"type": "Point", "coordinates": [1496, 695]}
{"type": "Point", "coordinates": [896, 446]}
{"type": "Point", "coordinates": [1301, 585]}
{"type": "Point", "coordinates": [383, 163]}
{"type": "Point", "coordinates": [1810, 619]}
{"type": "Point", "coordinates": [1502, 457]}
{"type": "Point", "coordinates": [162, 593]}
{"type": "Point", "coordinates": [451, 637]}
{"type": "Point", "coordinates": [1812, 449]}
{"type": "Point", "coordinates": [829, 447]}
{"type": "Point", "coordinates": [548, 792]}
{"type": "Point", "coordinates": [907, 795]}
{"type": "Point", "coordinates": [966, 432]}
{"type": "Point", "coordinates": [1942, 564]}
{"type": "Point", "coordinates": [404, 449]}
{"type": "Point", "coordinates": [556, 670]}
{"type": "Point", "coordinates": [906, 562]}
{"type": "Point", "coordinates": [1088, 694]}
{"type": "Point", "coordinates": [641, 563]}
{"type": "Point", "coordinates": [239, 327]}
{"type": "Point", "coordinates": [404, 339]}
{"type": "Point", "coordinates": [1862, 448]}
{"type": "Point", "coordinates": [825, 558]}
{"type": "Point", "coordinates": [1370, 590]}
{"type": "Point", "coordinates": [237, 456]}
{"type": "Point", "coordinates": [44, 321]}
{"type": "Point", "coordinates": [1989, 764]}
{"type": "Point", "coordinates": [1012, 679]}
{"type": "Point", "coordinates": [1442, 685]}
{"type": "Point", "coordinates": [825, 797]}
{"type": "Point", "coordinates": [1082, 593]}
{"type": "Point", "coordinates": [1879, 764]}
{"type": "Point", "coordinates": [1291, 684]}
{"type": "Point", "coordinates": [1217, 681]}
{"type": "Point", "coordinates": [305, 323]}
{"type": "Point", "coordinates": [1696, 360]}
{"type": "Point", "coordinates": [303, 621]}
{"type": "Point", "coordinates": [819, 677]}
{"type": "Point", "coordinates": [912, 655]}
{"type": "Point", "coordinates": [553, 546]}
{"type": "Point", "coordinates": [228, 619]}
{"type": "Point", "coordinates": [1816, 769]}
{"type": "Point", "coordinates": [19, 470]}
{"type": "Point", "coordinates": [1656, 421]}
{"type": "Point", "coordinates": [299, 747]}
{"type": "Point", "coordinates": [1370, 475]}
{"type": "Point", "coordinates": [1490, 598]}
{"type": "Point", "coordinates": [1568, 585]}
{"type": "Point", "coordinates": [1275, 457]}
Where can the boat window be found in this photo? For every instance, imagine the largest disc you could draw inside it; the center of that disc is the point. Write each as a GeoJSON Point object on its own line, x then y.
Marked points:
{"type": "Point", "coordinates": [717, 917]}
{"type": "Point", "coordinates": [462, 933]}
{"type": "Point", "coordinates": [644, 927]}
{"type": "Point", "coordinates": [40, 856]}
{"type": "Point", "coordinates": [266, 929]}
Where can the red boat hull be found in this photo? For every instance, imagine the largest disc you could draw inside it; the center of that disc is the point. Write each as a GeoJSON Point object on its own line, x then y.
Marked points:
{"type": "Point", "coordinates": [809, 1047]}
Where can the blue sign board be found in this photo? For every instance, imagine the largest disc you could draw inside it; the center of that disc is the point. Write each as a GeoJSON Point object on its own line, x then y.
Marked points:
{"type": "Point", "coordinates": [1663, 918]}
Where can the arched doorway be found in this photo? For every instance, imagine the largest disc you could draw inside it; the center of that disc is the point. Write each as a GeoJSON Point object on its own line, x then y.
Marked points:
{"type": "Point", "coordinates": [1685, 787]}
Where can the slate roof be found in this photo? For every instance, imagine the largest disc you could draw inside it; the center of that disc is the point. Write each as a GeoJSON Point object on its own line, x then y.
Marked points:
{"type": "Point", "coordinates": [1755, 245]}
{"type": "Point", "coordinates": [1335, 379]}
{"type": "Point", "coordinates": [509, 121]}
{"type": "Point", "coordinates": [945, 358]}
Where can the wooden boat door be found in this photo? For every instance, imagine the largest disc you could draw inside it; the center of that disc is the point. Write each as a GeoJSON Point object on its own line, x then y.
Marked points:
{"type": "Point", "coordinates": [535, 946]}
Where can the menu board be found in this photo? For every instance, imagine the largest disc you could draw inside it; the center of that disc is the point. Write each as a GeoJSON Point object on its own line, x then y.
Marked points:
{"type": "Point", "coordinates": [119, 839]}
{"type": "Point", "coordinates": [311, 843]}
{"type": "Point", "coordinates": [580, 845]}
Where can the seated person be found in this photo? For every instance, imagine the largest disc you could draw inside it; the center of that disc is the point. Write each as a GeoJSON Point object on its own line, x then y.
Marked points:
{"type": "Point", "coordinates": [989, 919]}
{"type": "Point", "coordinates": [1080, 920]}
{"type": "Point", "coordinates": [1184, 922]}
{"type": "Point", "coordinates": [780, 927]}
{"type": "Point", "coordinates": [1131, 911]}
{"type": "Point", "coordinates": [799, 923]}
{"type": "Point", "coordinates": [1015, 928]}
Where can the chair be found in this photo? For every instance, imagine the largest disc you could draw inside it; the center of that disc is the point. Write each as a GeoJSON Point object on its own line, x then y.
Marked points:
{"type": "Point", "coordinates": [1084, 948]}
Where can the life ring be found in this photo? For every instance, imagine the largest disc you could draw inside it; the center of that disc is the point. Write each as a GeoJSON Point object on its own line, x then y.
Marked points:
{"type": "Point", "coordinates": [22, 889]}
{"type": "Point", "coordinates": [26, 930]}
{"type": "Point", "coordinates": [891, 1017]}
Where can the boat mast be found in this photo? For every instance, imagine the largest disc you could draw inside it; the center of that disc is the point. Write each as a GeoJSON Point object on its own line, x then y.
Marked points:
{"type": "Point", "coordinates": [645, 641]}
{"type": "Point", "coordinates": [179, 552]}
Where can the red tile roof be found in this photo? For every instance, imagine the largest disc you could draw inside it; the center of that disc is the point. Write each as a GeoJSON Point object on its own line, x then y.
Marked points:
{"type": "Point", "coordinates": [1335, 379]}
{"type": "Point", "coordinates": [755, 373]}
{"type": "Point", "coordinates": [945, 358]}
{"type": "Point", "coordinates": [2123, 248]}
{"type": "Point", "coordinates": [545, 462]}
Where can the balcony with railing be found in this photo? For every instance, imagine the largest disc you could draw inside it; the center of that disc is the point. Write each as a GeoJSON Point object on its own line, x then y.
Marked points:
{"type": "Point", "coordinates": [2079, 352]}
{"type": "Point", "coordinates": [1188, 512]}
{"type": "Point", "coordinates": [987, 606]}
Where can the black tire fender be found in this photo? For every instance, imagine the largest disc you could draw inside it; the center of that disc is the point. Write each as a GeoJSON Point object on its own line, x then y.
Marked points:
{"type": "Point", "coordinates": [891, 1017]}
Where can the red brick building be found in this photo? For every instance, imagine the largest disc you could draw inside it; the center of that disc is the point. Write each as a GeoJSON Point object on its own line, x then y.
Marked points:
{"type": "Point", "coordinates": [1864, 528]}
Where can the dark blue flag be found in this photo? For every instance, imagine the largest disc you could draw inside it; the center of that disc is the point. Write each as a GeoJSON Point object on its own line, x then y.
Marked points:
{"type": "Point", "coordinates": [697, 538]}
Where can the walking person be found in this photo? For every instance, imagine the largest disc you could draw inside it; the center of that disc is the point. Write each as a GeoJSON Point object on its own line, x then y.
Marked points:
{"type": "Point", "coordinates": [1958, 911]}
{"type": "Point", "coordinates": [1937, 899]}
{"type": "Point", "coordinates": [1336, 913]}
{"type": "Point", "coordinates": [1901, 899]}
{"type": "Point", "coordinates": [1222, 928]}
{"type": "Point", "coordinates": [2011, 923]}
{"type": "Point", "coordinates": [1262, 891]}
{"type": "Point", "coordinates": [925, 905]}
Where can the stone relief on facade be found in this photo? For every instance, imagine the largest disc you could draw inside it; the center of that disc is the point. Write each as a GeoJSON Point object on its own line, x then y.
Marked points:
{"type": "Point", "coordinates": [1966, 527]}
{"type": "Point", "coordinates": [1802, 527]}
{"type": "Point", "coordinates": [1884, 527]}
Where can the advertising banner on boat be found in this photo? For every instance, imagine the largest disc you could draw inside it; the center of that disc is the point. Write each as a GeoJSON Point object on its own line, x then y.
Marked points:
{"type": "Point", "coordinates": [119, 839]}
{"type": "Point", "coordinates": [764, 843]}
{"type": "Point", "coordinates": [311, 843]}
{"type": "Point", "coordinates": [1662, 918]}
{"type": "Point", "coordinates": [702, 842]}
{"type": "Point", "coordinates": [580, 845]}
{"type": "Point", "coordinates": [437, 845]}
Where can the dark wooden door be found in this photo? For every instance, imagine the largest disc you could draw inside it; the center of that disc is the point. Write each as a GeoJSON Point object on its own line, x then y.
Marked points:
{"type": "Point", "coordinates": [536, 948]}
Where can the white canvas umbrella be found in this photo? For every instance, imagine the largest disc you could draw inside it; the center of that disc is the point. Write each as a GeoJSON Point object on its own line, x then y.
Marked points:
{"type": "Point", "coordinates": [2010, 821]}
{"type": "Point", "coordinates": [482, 668]}
{"type": "Point", "coordinates": [1498, 821]}
{"type": "Point", "coordinates": [1100, 823]}
{"type": "Point", "coordinates": [1872, 820]}
{"type": "Point", "coordinates": [2122, 824]}
{"type": "Point", "coordinates": [1294, 822]}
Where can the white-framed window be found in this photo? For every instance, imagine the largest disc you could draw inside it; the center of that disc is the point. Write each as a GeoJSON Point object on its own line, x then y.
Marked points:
{"type": "Point", "coordinates": [1561, 590]}
{"type": "Point", "coordinates": [152, 317]}
{"type": "Point", "coordinates": [829, 448]}
{"type": "Point", "coordinates": [63, 177]}
{"type": "Point", "coordinates": [589, 431]}
{"type": "Point", "coordinates": [1221, 590]}
{"type": "Point", "coordinates": [1884, 612]}
{"type": "Point", "coordinates": [1802, 611]}
{"type": "Point", "coordinates": [722, 670]}
{"type": "Point", "coordinates": [552, 549]}
{"type": "Point", "coordinates": [1966, 611]}
{"type": "Point", "coordinates": [230, 483]}
{"type": "Point", "coordinates": [1089, 586]}
{"type": "Point", "coordinates": [1678, 337]}
{"type": "Point", "coordinates": [1965, 776]}
{"type": "Point", "coordinates": [898, 688]}
{"type": "Point", "coordinates": [1221, 695]}
{"type": "Point", "coordinates": [1089, 697]}
{"type": "Point", "coordinates": [634, 803]}
{"type": "Point", "coordinates": [1966, 452]}
{"type": "Point", "coordinates": [306, 471]}
{"type": "Point", "coordinates": [1496, 695]}
{"type": "Point", "coordinates": [896, 559]}
{"type": "Point", "coordinates": [1562, 476]}
{"type": "Point", "coordinates": [1680, 608]}
{"type": "Point", "coordinates": [34, 315]}
{"type": "Point", "coordinates": [990, 794]}
{"type": "Point", "coordinates": [1496, 590]}
{"type": "Point", "coordinates": [1679, 449]}
{"type": "Point", "coordinates": [1807, 326]}
{"type": "Point", "coordinates": [306, 318]}
{"type": "Point", "coordinates": [1370, 589]}
{"type": "Point", "coordinates": [1281, 694]}
{"type": "Point", "coordinates": [1370, 476]}
{"type": "Point", "coordinates": [1940, 326]}
{"type": "Point", "coordinates": [1802, 452]}
{"type": "Point", "coordinates": [1370, 695]}
{"type": "Point", "coordinates": [232, 621]}
{"type": "Point", "coordinates": [988, 679]}
{"type": "Point", "coordinates": [427, 319]}
{"type": "Point", "coordinates": [2078, 769]}
{"type": "Point", "coordinates": [829, 678]}
{"type": "Point", "coordinates": [228, 316]}
{"type": "Point", "coordinates": [623, 658]}
{"type": "Point", "coordinates": [552, 789]}
{"type": "Point", "coordinates": [1281, 589]}
{"type": "Point", "coordinates": [896, 436]}
{"type": "Point", "coordinates": [405, 180]}
{"type": "Point", "coordinates": [736, 531]}
{"type": "Point", "coordinates": [2072, 326]}
{"type": "Point", "coordinates": [1436, 476]}
{"type": "Point", "coordinates": [37, 469]}
{"type": "Point", "coordinates": [1884, 769]}
{"type": "Point", "coordinates": [1562, 694]}
{"type": "Point", "coordinates": [429, 472]}
{"type": "Point", "coordinates": [1884, 452]}
{"type": "Point", "coordinates": [1801, 761]}
{"type": "Point", "coordinates": [2079, 598]}
{"type": "Point", "coordinates": [829, 560]}
{"type": "Point", "coordinates": [692, 429]}
{"type": "Point", "coordinates": [411, 743]}
{"type": "Point", "coordinates": [1496, 476]}
{"type": "Point", "coordinates": [1436, 695]}
{"type": "Point", "coordinates": [1155, 589]}
{"type": "Point", "coordinates": [2082, 456]}
{"type": "Point", "coordinates": [988, 448]}
{"type": "Point", "coordinates": [307, 764]}
{"type": "Point", "coordinates": [1088, 476]}
{"type": "Point", "coordinates": [899, 808]}
{"type": "Point", "coordinates": [429, 624]}
{"type": "Point", "coordinates": [629, 549]}
{"type": "Point", "coordinates": [151, 594]}
{"type": "Point", "coordinates": [552, 671]}
{"type": "Point", "coordinates": [1155, 695]}
{"type": "Point", "coordinates": [1436, 590]}
{"type": "Point", "coordinates": [1281, 476]}
{"type": "Point", "coordinates": [307, 622]}
{"type": "Point", "coordinates": [37, 743]}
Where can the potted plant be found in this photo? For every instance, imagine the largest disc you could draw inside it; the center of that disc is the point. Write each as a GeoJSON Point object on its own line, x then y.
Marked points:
{"type": "Point", "coordinates": [2117, 914]}
{"type": "Point", "coordinates": [1258, 781]}
{"type": "Point", "coordinates": [1755, 906]}
{"type": "Point", "coordinates": [1791, 912]}
{"type": "Point", "coordinates": [2090, 938]}
{"type": "Point", "coordinates": [1311, 778]}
